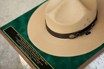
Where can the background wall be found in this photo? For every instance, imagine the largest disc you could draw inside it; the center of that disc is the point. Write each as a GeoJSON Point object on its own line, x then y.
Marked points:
{"type": "Point", "coordinates": [9, 10]}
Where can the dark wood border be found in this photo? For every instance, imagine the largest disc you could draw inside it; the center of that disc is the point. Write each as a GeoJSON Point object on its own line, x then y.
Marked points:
{"type": "Point", "coordinates": [33, 67]}
{"type": "Point", "coordinates": [91, 59]}
{"type": "Point", "coordinates": [13, 45]}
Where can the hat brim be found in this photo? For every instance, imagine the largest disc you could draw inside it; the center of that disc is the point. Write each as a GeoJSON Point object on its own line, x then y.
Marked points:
{"type": "Point", "coordinates": [49, 44]}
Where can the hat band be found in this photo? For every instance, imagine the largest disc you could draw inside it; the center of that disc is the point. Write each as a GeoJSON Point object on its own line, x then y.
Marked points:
{"type": "Point", "coordinates": [85, 31]}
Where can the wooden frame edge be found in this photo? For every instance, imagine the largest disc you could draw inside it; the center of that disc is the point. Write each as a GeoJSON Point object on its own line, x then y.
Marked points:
{"type": "Point", "coordinates": [91, 59]}
{"type": "Point", "coordinates": [10, 42]}
{"type": "Point", "coordinates": [33, 67]}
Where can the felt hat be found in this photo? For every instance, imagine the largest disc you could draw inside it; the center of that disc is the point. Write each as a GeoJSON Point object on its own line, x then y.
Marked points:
{"type": "Point", "coordinates": [67, 27]}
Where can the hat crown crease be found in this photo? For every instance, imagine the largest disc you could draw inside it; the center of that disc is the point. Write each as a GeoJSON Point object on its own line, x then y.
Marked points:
{"type": "Point", "coordinates": [68, 13]}
{"type": "Point", "coordinates": [66, 47]}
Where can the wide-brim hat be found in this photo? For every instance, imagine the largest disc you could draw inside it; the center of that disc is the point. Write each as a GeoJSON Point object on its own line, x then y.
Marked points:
{"type": "Point", "coordinates": [50, 35]}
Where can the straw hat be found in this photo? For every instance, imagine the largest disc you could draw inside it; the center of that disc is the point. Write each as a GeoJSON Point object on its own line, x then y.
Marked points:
{"type": "Point", "coordinates": [67, 27]}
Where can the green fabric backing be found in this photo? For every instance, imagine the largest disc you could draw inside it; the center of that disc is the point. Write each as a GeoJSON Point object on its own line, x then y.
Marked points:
{"type": "Point", "coordinates": [21, 23]}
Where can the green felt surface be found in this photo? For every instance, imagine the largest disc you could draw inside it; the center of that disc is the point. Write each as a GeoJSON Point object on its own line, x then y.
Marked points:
{"type": "Point", "coordinates": [21, 23]}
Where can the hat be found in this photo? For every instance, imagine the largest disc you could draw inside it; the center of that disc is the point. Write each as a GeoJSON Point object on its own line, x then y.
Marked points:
{"type": "Point", "coordinates": [67, 27]}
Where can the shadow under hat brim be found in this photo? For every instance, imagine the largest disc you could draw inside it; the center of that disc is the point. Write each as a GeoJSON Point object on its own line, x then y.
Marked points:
{"type": "Point", "coordinates": [49, 44]}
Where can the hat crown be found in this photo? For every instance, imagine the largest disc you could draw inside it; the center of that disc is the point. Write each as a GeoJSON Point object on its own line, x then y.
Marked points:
{"type": "Point", "coordinates": [66, 16]}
